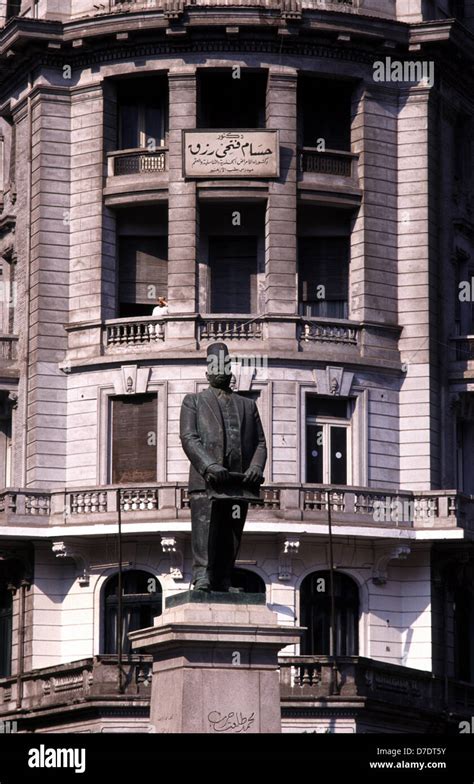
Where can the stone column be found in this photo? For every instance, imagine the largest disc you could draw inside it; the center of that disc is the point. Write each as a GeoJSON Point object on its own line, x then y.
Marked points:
{"type": "Point", "coordinates": [215, 666]}
{"type": "Point", "coordinates": [418, 269]}
{"type": "Point", "coordinates": [281, 217]}
{"type": "Point", "coordinates": [182, 228]}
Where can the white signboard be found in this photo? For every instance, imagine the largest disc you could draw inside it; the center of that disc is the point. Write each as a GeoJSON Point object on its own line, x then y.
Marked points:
{"type": "Point", "coordinates": [227, 153]}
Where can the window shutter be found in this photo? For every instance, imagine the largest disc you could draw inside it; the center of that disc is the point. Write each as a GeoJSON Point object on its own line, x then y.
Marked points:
{"type": "Point", "coordinates": [143, 263]}
{"type": "Point", "coordinates": [134, 418]}
{"type": "Point", "coordinates": [233, 270]}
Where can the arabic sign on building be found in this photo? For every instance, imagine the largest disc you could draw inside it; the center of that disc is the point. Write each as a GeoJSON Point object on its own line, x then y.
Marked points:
{"type": "Point", "coordinates": [226, 153]}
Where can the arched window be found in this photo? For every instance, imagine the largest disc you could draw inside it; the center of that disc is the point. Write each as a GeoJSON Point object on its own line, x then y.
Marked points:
{"type": "Point", "coordinates": [315, 614]}
{"type": "Point", "coordinates": [248, 581]}
{"type": "Point", "coordinates": [6, 613]}
{"type": "Point", "coordinates": [141, 602]}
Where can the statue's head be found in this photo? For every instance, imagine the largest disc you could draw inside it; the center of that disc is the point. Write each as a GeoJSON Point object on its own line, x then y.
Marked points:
{"type": "Point", "coordinates": [219, 373]}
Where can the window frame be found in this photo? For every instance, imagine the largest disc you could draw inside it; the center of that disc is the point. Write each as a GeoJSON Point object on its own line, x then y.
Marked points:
{"type": "Point", "coordinates": [327, 422]}
{"type": "Point", "coordinates": [111, 602]}
{"type": "Point", "coordinates": [141, 127]}
{"type": "Point", "coordinates": [104, 417]}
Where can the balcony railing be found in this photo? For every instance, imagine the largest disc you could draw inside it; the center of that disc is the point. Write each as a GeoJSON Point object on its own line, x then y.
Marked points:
{"type": "Point", "coordinates": [351, 506]}
{"type": "Point", "coordinates": [334, 162]}
{"type": "Point", "coordinates": [133, 332]}
{"type": "Point", "coordinates": [230, 328]}
{"type": "Point", "coordinates": [308, 680]}
{"type": "Point", "coordinates": [326, 331]}
{"type": "Point", "coordinates": [78, 685]}
{"type": "Point", "coordinates": [141, 161]}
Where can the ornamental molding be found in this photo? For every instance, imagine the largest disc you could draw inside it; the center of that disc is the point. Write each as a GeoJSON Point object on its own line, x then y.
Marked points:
{"type": "Point", "coordinates": [333, 381]}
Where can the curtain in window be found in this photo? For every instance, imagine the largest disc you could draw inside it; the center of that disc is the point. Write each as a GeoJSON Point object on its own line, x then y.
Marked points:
{"type": "Point", "coordinates": [323, 272]}
{"type": "Point", "coordinates": [233, 272]}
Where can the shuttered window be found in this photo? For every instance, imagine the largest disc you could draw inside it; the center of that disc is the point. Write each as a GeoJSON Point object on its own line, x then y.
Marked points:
{"type": "Point", "coordinates": [323, 272]}
{"type": "Point", "coordinates": [134, 439]}
{"type": "Point", "coordinates": [233, 273]}
{"type": "Point", "coordinates": [143, 274]}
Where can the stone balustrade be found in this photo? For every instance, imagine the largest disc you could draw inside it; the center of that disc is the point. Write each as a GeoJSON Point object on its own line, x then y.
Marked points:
{"type": "Point", "coordinates": [350, 506]}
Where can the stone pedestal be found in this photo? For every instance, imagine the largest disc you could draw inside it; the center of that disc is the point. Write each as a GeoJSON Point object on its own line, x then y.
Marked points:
{"type": "Point", "coordinates": [215, 667]}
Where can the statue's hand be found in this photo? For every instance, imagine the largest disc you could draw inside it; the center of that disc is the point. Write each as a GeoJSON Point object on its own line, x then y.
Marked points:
{"type": "Point", "coordinates": [253, 476]}
{"type": "Point", "coordinates": [216, 475]}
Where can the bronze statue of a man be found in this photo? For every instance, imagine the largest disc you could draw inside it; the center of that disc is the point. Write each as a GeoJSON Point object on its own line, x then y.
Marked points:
{"type": "Point", "coordinates": [222, 436]}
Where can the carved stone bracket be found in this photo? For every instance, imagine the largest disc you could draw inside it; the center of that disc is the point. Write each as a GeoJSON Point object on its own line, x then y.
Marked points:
{"type": "Point", "coordinates": [382, 558]}
{"type": "Point", "coordinates": [171, 546]}
{"type": "Point", "coordinates": [290, 546]}
{"type": "Point", "coordinates": [70, 550]}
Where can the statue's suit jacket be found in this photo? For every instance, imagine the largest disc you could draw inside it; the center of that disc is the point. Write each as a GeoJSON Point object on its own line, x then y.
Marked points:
{"type": "Point", "coordinates": [203, 437]}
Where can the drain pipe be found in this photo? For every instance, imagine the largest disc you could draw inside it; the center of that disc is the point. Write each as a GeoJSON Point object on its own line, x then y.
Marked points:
{"type": "Point", "coordinates": [21, 643]}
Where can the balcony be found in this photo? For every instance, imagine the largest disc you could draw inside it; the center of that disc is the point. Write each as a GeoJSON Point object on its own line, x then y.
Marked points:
{"type": "Point", "coordinates": [119, 333]}
{"type": "Point", "coordinates": [357, 510]}
{"type": "Point", "coordinates": [136, 174]}
{"type": "Point", "coordinates": [332, 174]}
{"type": "Point", "coordinates": [139, 161]}
{"type": "Point", "coordinates": [406, 695]}
{"type": "Point", "coordinates": [364, 688]}
{"type": "Point", "coordinates": [329, 339]}
{"type": "Point", "coordinates": [88, 686]}
{"type": "Point", "coordinates": [326, 331]}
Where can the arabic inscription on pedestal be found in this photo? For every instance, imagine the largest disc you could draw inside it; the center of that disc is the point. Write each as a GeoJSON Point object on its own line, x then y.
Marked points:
{"type": "Point", "coordinates": [237, 153]}
{"type": "Point", "coordinates": [235, 721]}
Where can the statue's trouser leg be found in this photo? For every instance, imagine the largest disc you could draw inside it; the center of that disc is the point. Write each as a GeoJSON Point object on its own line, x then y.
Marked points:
{"type": "Point", "coordinates": [229, 523]}
{"type": "Point", "coordinates": [201, 513]}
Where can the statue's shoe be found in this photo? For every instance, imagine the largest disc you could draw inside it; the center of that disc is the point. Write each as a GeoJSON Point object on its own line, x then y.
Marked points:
{"type": "Point", "coordinates": [202, 585]}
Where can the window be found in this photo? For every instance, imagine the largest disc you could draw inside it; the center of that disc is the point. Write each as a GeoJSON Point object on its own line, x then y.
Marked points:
{"type": "Point", "coordinates": [325, 109]}
{"type": "Point", "coordinates": [328, 459]}
{"type": "Point", "coordinates": [6, 613]}
{"type": "Point", "coordinates": [143, 274]}
{"type": "Point", "coordinates": [227, 102]}
{"type": "Point", "coordinates": [315, 603]}
{"type": "Point", "coordinates": [323, 273]}
{"type": "Point", "coordinates": [142, 113]}
{"type": "Point", "coordinates": [13, 8]}
{"type": "Point", "coordinates": [139, 606]}
{"type": "Point", "coordinates": [5, 440]}
{"type": "Point", "coordinates": [134, 439]}
{"type": "Point", "coordinates": [465, 455]}
{"type": "Point", "coordinates": [233, 274]}
{"type": "Point", "coordinates": [248, 581]}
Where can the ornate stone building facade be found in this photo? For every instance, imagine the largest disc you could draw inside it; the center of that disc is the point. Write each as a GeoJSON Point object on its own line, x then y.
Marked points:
{"type": "Point", "coordinates": [294, 177]}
